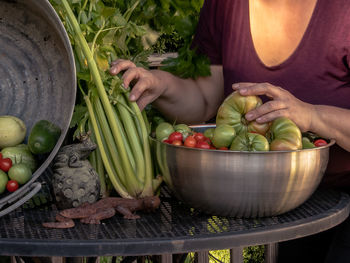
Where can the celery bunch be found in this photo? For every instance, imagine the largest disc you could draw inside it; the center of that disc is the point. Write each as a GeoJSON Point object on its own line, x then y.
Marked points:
{"type": "Point", "coordinates": [116, 124]}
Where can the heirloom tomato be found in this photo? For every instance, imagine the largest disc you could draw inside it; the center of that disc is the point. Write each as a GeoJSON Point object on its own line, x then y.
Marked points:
{"type": "Point", "coordinates": [251, 142]}
{"type": "Point", "coordinates": [284, 135]}
{"type": "Point", "coordinates": [233, 110]}
{"type": "Point", "coordinates": [223, 135]}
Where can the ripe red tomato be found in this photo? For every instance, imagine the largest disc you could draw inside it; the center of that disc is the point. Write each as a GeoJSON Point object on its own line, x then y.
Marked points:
{"type": "Point", "coordinates": [320, 142]}
{"type": "Point", "coordinates": [5, 164]}
{"type": "Point", "coordinates": [12, 185]}
{"type": "Point", "coordinates": [223, 148]}
{"type": "Point", "coordinates": [199, 136]}
{"type": "Point", "coordinates": [190, 141]}
{"type": "Point", "coordinates": [177, 142]}
{"type": "Point", "coordinates": [167, 141]}
{"type": "Point", "coordinates": [202, 145]}
{"type": "Point", "coordinates": [0, 155]}
{"type": "Point", "coordinates": [175, 136]}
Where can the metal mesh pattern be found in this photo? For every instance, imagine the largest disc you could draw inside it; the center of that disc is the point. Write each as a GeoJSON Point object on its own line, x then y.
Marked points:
{"type": "Point", "coordinates": [173, 221]}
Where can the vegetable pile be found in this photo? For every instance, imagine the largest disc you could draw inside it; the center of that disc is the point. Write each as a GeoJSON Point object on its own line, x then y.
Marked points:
{"type": "Point", "coordinates": [234, 132]}
{"type": "Point", "coordinates": [18, 160]}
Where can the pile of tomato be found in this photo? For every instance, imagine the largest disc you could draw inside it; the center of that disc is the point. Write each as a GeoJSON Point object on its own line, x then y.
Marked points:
{"type": "Point", "coordinates": [193, 140]}
{"type": "Point", "coordinates": [12, 175]}
{"type": "Point", "coordinates": [183, 135]}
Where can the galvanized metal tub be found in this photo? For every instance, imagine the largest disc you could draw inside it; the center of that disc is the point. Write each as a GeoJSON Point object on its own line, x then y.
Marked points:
{"type": "Point", "coordinates": [37, 77]}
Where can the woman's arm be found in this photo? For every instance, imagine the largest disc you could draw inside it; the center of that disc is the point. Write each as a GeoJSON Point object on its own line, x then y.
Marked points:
{"type": "Point", "coordinates": [184, 100]}
{"type": "Point", "coordinates": [326, 121]}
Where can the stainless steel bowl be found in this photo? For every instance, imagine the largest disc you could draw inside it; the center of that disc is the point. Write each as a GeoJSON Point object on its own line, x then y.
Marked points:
{"type": "Point", "coordinates": [241, 184]}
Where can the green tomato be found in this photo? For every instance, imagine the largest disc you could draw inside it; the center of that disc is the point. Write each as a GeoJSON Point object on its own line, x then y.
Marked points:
{"type": "Point", "coordinates": [251, 142]}
{"type": "Point", "coordinates": [209, 133]}
{"type": "Point", "coordinates": [223, 135]}
{"type": "Point", "coordinates": [163, 130]}
{"type": "Point", "coordinates": [233, 110]}
{"type": "Point", "coordinates": [307, 144]}
{"type": "Point", "coordinates": [20, 172]}
{"type": "Point", "coordinates": [285, 135]}
{"type": "Point", "coordinates": [3, 181]}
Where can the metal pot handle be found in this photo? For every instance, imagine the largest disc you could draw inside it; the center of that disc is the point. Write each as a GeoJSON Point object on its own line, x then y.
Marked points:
{"type": "Point", "coordinates": [32, 190]}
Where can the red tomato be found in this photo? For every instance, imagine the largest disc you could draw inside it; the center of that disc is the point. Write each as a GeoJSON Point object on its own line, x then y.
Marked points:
{"type": "Point", "coordinates": [177, 142]}
{"type": "Point", "coordinates": [12, 185]}
{"type": "Point", "coordinates": [167, 141]}
{"type": "Point", "coordinates": [190, 141]}
{"type": "Point", "coordinates": [0, 155]}
{"type": "Point", "coordinates": [175, 136]}
{"type": "Point", "coordinates": [320, 142]}
{"type": "Point", "coordinates": [5, 164]}
{"type": "Point", "coordinates": [202, 145]}
{"type": "Point", "coordinates": [223, 148]}
{"type": "Point", "coordinates": [199, 136]}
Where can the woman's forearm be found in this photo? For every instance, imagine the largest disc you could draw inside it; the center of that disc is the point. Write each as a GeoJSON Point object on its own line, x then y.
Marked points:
{"type": "Point", "coordinates": [187, 100]}
{"type": "Point", "coordinates": [332, 122]}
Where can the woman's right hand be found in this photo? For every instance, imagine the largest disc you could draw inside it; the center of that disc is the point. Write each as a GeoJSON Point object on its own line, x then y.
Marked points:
{"type": "Point", "coordinates": [148, 86]}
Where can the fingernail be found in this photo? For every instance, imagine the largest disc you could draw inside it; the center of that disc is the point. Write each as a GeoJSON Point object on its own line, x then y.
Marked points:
{"type": "Point", "coordinates": [132, 97]}
{"type": "Point", "coordinates": [259, 119]}
{"type": "Point", "coordinates": [235, 86]}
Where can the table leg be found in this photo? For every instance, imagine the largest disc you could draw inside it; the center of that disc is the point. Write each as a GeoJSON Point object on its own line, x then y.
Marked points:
{"type": "Point", "coordinates": [202, 256]}
{"type": "Point", "coordinates": [236, 255]}
{"type": "Point", "coordinates": [166, 258]}
{"type": "Point", "coordinates": [271, 252]}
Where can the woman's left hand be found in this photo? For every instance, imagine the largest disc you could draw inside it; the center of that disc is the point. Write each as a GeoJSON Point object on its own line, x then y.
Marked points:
{"type": "Point", "coordinates": [282, 103]}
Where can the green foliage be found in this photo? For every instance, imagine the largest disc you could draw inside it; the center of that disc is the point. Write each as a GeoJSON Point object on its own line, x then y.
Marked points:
{"type": "Point", "coordinates": [133, 29]}
{"type": "Point", "coordinates": [253, 254]}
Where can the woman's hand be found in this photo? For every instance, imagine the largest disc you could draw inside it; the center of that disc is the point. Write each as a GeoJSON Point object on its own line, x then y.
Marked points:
{"type": "Point", "coordinates": [282, 103]}
{"type": "Point", "coordinates": [147, 87]}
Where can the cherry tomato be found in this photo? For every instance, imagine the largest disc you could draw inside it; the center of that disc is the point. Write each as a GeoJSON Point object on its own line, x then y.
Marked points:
{"type": "Point", "coordinates": [223, 148]}
{"type": "Point", "coordinates": [167, 141]}
{"type": "Point", "coordinates": [199, 136]}
{"type": "Point", "coordinates": [202, 145]}
{"type": "Point", "coordinates": [175, 136]}
{"type": "Point", "coordinates": [320, 142]}
{"type": "Point", "coordinates": [12, 186]}
{"type": "Point", "coordinates": [190, 141]}
{"type": "Point", "coordinates": [5, 164]}
{"type": "Point", "coordinates": [177, 142]}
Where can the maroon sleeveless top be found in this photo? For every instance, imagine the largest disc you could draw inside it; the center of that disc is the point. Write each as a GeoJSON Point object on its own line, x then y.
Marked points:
{"type": "Point", "coordinates": [316, 72]}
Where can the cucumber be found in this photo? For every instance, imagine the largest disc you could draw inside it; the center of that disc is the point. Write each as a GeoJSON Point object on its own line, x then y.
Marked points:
{"type": "Point", "coordinates": [20, 154]}
{"type": "Point", "coordinates": [12, 131]}
{"type": "Point", "coordinates": [43, 137]}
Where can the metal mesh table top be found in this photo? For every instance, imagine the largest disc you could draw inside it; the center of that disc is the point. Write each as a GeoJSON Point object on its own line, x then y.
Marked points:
{"type": "Point", "coordinates": [173, 228]}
